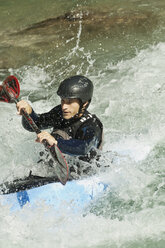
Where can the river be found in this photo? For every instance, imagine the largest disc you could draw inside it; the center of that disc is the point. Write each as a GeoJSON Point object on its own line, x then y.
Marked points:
{"type": "Point", "coordinates": [120, 46]}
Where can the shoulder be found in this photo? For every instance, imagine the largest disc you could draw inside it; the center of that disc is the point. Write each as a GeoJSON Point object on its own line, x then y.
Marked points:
{"type": "Point", "coordinates": [87, 126]}
{"type": "Point", "coordinates": [56, 110]}
{"type": "Point", "coordinates": [91, 120]}
{"type": "Point", "coordinates": [54, 114]}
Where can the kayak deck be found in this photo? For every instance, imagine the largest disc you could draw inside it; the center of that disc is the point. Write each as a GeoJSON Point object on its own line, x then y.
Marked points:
{"type": "Point", "coordinates": [34, 191]}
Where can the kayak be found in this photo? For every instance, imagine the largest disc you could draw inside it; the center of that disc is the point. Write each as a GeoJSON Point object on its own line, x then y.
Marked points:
{"type": "Point", "coordinates": [34, 192]}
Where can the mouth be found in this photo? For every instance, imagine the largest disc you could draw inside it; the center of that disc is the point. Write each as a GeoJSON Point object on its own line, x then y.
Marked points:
{"type": "Point", "coordinates": [66, 113]}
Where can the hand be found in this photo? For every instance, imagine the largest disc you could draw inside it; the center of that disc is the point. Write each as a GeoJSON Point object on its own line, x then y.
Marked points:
{"type": "Point", "coordinates": [23, 105]}
{"type": "Point", "coordinates": [46, 136]}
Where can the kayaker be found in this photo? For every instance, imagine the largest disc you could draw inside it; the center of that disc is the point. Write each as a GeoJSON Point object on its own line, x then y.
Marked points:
{"type": "Point", "coordinates": [75, 131]}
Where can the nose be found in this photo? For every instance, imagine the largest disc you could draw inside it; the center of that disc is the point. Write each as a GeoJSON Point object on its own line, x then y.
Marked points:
{"type": "Point", "coordinates": [64, 106]}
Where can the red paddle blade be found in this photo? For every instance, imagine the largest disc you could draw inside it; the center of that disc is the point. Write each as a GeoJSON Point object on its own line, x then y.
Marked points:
{"type": "Point", "coordinates": [10, 89]}
{"type": "Point", "coordinates": [61, 166]}
{"type": "Point", "coordinates": [3, 97]}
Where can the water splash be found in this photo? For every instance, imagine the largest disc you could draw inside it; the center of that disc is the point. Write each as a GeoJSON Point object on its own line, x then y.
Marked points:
{"type": "Point", "coordinates": [129, 98]}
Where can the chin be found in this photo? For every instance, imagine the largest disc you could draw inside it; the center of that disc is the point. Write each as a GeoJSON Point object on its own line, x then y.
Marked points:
{"type": "Point", "coordinates": [66, 117]}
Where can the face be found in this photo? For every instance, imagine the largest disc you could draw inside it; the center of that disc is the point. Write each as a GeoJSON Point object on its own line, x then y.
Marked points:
{"type": "Point", "coordinates": [70, 107]}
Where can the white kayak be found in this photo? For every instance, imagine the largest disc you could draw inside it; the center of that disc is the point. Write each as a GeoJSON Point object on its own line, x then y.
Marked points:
{"type": "Point", "coordinates": [75, 195]}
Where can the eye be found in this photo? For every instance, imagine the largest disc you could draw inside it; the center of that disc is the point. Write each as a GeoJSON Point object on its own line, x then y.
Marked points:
{"type": "Point", "coordinates": [66, 101]}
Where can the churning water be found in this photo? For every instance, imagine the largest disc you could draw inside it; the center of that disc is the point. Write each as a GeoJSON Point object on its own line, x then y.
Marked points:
{"type": "Point", "coordinates": [126, 64]}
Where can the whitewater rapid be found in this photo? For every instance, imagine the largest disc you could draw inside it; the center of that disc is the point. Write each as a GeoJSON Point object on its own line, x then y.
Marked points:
{"type": "Point", "coordinates": [129, 99]}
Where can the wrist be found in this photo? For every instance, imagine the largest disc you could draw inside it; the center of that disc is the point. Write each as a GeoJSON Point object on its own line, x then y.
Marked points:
{"type": "Point", "coordinates": [54, 142]}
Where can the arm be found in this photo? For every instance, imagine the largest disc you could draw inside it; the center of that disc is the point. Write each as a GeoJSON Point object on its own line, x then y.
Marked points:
{"type": "Point", "coordinates": [43, 121]}
{"type": "Point", "coordinates": [75, 147]}
{"type": "Point", "coordinates": [26, 125]}
{"type": "Point", "coordinates": [88, 137]}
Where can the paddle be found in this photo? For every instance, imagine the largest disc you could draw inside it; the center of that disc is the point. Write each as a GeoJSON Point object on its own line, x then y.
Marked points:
{"type": "Point", "coordinates": [10, 89]}
{"type": "Point", "coordinates": [9, 92]}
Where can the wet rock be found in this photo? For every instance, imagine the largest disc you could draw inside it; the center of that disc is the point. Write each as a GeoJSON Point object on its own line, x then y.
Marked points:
{"type": "Point", "coordinates": [21, 46]}
{"type": "Point", "coordinates": [92, 22]}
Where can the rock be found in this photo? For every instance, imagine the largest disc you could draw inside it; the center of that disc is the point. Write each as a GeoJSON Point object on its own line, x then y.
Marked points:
{"type": "Point", "coordinates": [20, 47]}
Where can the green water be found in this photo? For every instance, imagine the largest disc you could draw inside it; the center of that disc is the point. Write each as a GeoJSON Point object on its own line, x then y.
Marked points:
{"type": "Point", "coordinates": [120, 46]}
{"type": "Point", "coordinates": [115, 27]}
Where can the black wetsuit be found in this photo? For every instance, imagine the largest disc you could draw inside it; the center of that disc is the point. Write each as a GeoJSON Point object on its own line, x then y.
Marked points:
{"type": "Point", "coordinates": [84, 134]}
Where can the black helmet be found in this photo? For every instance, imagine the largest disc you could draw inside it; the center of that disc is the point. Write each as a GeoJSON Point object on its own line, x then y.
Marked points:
{"type": "Point", "coordinates": [76, 87]}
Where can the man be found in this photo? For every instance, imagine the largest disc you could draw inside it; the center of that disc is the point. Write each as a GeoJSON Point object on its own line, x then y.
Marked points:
{"type": "Point", "coordinates": [75, 131]}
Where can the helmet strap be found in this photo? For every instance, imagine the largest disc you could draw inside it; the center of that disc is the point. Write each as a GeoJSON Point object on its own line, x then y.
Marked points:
{"type": "Point", "coordinates": [83, 107]}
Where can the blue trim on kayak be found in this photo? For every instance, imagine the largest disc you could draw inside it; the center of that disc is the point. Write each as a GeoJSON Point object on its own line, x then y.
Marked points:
{"type": "Point", "coordinates": [74, 196]}
{"type": "Point", "coordinates": [23, 198]}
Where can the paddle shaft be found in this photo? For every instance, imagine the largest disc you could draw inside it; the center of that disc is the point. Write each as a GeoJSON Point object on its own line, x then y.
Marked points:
{"type": "Point", "coordinates": [29, 119]}
{"type": "Point", "coordinates": [34, 127]}
{"type": "Point", "coordinates": [51, 149]}
{"type": "Point", "coordinates": [9, 92]}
